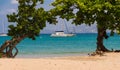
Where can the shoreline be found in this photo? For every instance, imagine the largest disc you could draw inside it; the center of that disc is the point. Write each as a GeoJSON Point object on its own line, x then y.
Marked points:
{"type": "Point", "coordinates": [51, 55]}
{"type": "Point", "coordinates": [110, 61]}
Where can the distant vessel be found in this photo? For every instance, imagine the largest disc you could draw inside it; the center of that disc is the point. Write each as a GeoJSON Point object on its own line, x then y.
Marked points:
{"type": "Point", "coordinates": [3, 30]}
{"type": "Point", "coordinates": [3, 34]}
{"type": "Point", "coordinates": [61, 34]}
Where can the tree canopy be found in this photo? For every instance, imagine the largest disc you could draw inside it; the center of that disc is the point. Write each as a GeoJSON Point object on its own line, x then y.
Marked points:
{"type": "Point", "coordinates": [29, 19]}
{"type": "Point", "coordinates": [89, 11]}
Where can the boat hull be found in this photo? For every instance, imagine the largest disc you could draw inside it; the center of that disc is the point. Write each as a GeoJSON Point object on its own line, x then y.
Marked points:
{"type": "Point", "coordinates": [62, 35]}
{"type": "Point", "coordinates": [3, 34]}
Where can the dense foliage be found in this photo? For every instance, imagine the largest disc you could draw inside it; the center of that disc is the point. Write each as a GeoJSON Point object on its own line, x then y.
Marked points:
{"type": "Point", "coordinates": [29, 19]}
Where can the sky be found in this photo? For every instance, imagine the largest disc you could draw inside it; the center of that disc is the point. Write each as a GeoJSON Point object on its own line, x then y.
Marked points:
{"type": "Point", "coordinates": [10, 6]}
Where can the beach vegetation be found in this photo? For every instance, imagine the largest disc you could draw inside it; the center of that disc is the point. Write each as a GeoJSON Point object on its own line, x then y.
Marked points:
{"type": "Point", "coordinates": [28, 21]}
{"type": "Point", "coordinates": [104, 13]}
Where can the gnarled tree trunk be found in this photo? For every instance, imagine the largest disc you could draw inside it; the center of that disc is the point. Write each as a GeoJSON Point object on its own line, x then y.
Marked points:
{"type": "Point", "coordinates": [100, 38]}
{"type": "Point", "coordinates": [8, 47]}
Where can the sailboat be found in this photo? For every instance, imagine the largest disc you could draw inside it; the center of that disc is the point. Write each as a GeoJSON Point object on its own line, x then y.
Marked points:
{"type": "Point", "coordinates": [62, 33]}
{"type": "Point", "coordinates": [3, 34]}
{"type": "Point", "coordinates": [3, 30]}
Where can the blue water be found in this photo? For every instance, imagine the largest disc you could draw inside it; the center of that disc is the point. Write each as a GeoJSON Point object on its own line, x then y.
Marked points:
{"type": "Point", "coordinates": [46, 46]}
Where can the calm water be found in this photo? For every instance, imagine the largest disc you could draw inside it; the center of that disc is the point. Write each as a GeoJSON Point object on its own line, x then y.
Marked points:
{"type": "Point", "coordinates": [46, 46]}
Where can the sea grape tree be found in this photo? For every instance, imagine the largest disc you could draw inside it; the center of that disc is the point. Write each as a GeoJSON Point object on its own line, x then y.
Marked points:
{"type": "Point", "coordinates": [105, 13]}
{"type": "Point", "coordinates": [28, 21]}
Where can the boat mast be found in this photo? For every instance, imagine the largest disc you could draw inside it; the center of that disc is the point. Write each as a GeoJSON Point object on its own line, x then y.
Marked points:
{"type": "Point", "coordinates": [74, 30]}
{"type": "Point", "coordinates": [3, 28]}
{"type": "Point", "coordinates": [66, 27]}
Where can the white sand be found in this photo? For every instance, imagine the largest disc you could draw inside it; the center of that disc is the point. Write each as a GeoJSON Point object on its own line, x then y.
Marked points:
{"type": "Point", "coordinates": [109, 62]}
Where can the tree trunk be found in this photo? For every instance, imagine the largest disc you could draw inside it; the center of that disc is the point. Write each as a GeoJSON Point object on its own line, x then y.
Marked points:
{"type": "Point", "coordinates": [100, 38]}
{"type": "Point", "coordinates": [10, 45]}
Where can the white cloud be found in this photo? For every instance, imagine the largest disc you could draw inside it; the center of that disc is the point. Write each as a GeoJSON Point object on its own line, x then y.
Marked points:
{"type": "Point", "coordinates": [14, 1]}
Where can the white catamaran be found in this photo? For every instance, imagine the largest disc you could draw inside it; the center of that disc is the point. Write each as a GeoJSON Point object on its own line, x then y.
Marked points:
{"type": "Point", "coordinates": [62, 33]}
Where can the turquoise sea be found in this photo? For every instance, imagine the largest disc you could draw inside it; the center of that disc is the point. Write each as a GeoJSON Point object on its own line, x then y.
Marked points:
{"type": "Point", "coordinates": [46, 46]}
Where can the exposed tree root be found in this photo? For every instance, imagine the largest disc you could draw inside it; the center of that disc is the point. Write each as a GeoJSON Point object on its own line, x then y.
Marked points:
{"type": "Point", "coordinates": [9, 46]}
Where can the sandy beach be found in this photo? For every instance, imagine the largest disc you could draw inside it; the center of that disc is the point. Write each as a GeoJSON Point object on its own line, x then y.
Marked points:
{"type": "Point", "coordinates": [110, 61]}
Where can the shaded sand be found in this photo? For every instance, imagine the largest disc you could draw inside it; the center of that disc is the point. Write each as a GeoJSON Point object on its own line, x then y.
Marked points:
{"type": "Point", "coordinates": [111, 61]}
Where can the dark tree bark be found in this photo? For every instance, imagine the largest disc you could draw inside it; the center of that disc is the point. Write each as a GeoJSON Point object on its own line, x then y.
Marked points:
{"type": "Point", "coordinates": [8, 47]}
{"type": "Point", "coordinates": [101, 35]}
